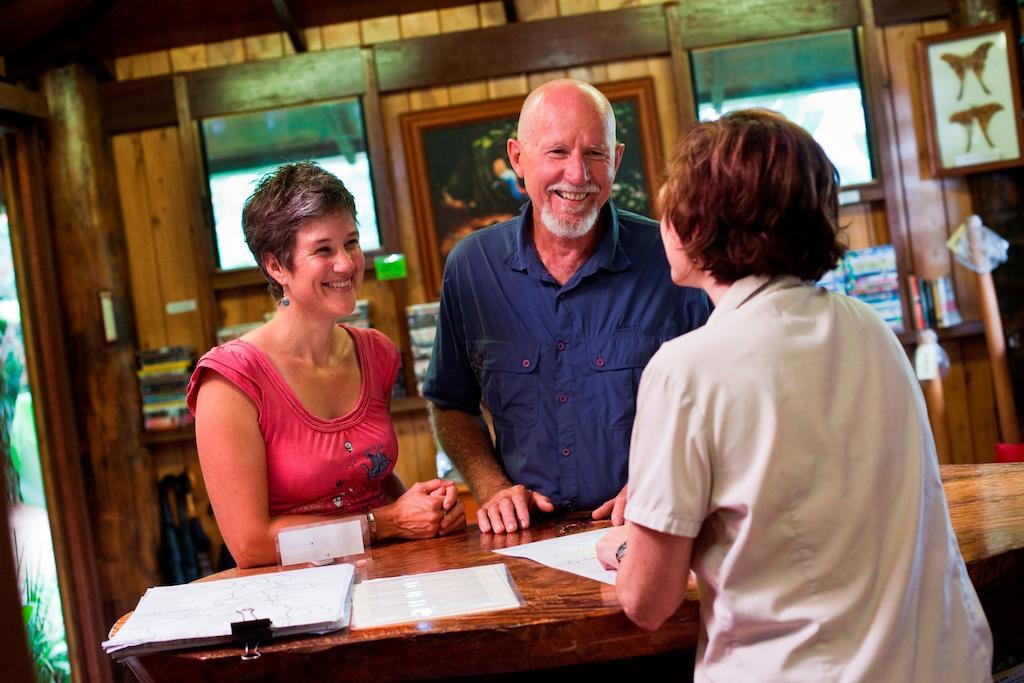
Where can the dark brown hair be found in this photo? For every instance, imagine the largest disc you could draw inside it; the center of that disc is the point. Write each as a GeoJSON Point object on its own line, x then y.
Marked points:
{"type": "Point", "coordinates": [282, 202]}
{"type": "Point", "coordinates": [753, 194]}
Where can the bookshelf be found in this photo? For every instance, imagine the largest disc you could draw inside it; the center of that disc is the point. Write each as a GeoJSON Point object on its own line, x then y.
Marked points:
{"type": "Point", "coordinates": [971, 328]}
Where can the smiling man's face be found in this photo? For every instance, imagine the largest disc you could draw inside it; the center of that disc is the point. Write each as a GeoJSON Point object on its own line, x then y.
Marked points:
{"type": "Point", "coordinates": [567, 157]}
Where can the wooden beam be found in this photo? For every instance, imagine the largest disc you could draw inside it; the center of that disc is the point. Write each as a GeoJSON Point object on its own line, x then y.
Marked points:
{"type": "Point", "coordinates": [296, 79]}
{"type": "Point", "coordinates": [710, 22]}
{"type": "Point", "coordinates": [682, 79]}
{"type": "Point", "coordinates": [902, 11]}
{"type": "Point", "coordinates": [20, 100]}
{"type": "Point", "coordinates": [284, 15]}
{"type": "Point", "coordinates": [137, 104]}
{"type": "Point", "coordinates": [518, 48]}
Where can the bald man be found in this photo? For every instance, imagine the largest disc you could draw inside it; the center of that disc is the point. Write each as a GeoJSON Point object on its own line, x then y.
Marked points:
{"type": "Point", "coordinates": [549, 319]}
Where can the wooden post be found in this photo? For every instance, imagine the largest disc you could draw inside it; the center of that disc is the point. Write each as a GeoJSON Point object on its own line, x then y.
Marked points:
{"type": "Point", "coordinates": [1006, 408]}
{"type": "Point", "coordinates": [935, 399]}
{"type": "Point", "coordinates": [996, 341]}
{"type": "Point", "coordinates": [91, 259]}
{"type": "Point", "coordinates": [46, 362]}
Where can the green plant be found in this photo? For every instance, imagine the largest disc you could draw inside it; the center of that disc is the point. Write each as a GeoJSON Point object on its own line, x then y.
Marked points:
{"type": "Point", "coordinates": [45, 637]}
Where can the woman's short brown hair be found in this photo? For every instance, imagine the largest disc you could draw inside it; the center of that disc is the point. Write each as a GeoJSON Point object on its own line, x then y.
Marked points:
{"type": "Point", "coordinates": [753, 194]}
{"type": "Point", "coordinates": [282, 202]}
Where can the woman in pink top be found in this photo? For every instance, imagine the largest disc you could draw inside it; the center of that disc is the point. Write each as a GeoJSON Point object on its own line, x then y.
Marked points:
{"type": "Point", "coordinates": [292, 420]}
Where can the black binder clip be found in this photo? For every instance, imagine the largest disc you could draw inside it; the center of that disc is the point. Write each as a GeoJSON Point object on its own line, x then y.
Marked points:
{"type": "Point", "coordinates": [250, 631]}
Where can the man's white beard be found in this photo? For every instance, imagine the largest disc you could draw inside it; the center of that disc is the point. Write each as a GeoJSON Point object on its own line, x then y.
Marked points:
{"type": "Point", "coordinates": [569, 227]}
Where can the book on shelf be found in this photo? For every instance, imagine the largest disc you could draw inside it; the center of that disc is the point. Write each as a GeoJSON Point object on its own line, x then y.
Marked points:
{"type": "Point", "coordinates": [933, 302]}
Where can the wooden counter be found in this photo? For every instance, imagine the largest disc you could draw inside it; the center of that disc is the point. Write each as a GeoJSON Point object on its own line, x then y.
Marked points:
{"type": "Point", "coordinates": [567, 620]}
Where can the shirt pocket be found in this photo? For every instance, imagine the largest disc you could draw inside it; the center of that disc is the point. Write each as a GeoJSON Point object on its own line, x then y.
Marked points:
{"type": "Point", "coordinates": [507, 372]}
{"type": "Point", "coordinates": [612, 375]}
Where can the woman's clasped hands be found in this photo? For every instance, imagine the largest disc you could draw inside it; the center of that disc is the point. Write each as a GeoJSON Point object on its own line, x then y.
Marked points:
{"type": "Point", "coordinates": [426, 509]}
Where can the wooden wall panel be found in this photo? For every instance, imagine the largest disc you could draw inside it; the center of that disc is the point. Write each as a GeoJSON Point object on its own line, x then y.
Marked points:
{"type": "Point", "coordinates": [407, 467]}
{"type": "Point", "coordinates": [392, 107]}
{"type": "Point", "coordinates": [462, 18]}
{"type": "Point", "coordinates": [533, 10]}
{"type": "Point", "coordinates": [314, 39]}
{"type": "Point", "coordinates": [266, 46]}
{"type": "Point", "coordinates": [492, 14]}
{"type": "Point", "coordinates": [345, 34]}
{"type": "Point", "coordinates": [243, 305]}
{"type": "Point", "coordinates": [130, 167]}
{"type": "Point", "coordinates": [980, 399]}
{"type": "Point", "coordinates": [172, 240]}
{"type": "Point", "coordinates": [188, 58]}
{"type": "Point", "coordinates": [225, 53]}
{"type": "Point", "coordinates": [669, 121]}
{"type": "Point", "coordinates": [379, 30]}
{"type": "Point", "coordinates": [418, 24]}
{"type": "Point", "coordinates": [567, 7]}
{"type": "Point", "coordinates": [855, 221]}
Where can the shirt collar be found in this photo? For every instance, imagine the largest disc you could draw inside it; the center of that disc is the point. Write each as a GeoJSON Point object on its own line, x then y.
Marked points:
{"type": "Point", "coordinates": [745, 289]}
{"type": "Point", "coordinates": [608, 254]}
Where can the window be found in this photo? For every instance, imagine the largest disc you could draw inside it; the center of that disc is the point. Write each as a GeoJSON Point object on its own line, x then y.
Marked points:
{"type": "Point", "coordinates": [813, 81]}
{"type": "Point", "coordinates": [241, 148]}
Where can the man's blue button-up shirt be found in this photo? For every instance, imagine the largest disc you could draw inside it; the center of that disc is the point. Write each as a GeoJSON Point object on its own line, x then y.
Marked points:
{"type": "Point", "coordinates": [557, 365]}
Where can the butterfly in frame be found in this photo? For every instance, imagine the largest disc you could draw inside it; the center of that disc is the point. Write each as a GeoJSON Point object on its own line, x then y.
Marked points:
{"type": "Point", "coordinates": [983, 113]}
{"type": "Point", "coordinates": [975, 61]}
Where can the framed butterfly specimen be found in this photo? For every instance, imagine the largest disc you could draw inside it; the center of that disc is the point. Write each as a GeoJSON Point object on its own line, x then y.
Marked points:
{"type": "Point", "coordinates": [972, 100]}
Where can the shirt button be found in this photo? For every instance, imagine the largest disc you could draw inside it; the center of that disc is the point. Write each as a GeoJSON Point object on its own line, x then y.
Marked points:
{"type": "Point", "coordinates": [566, 452]}
{"type": "Point", "coordinates": [560, 346]}
{"type": "Point", "coordinates": [600, 362]}
{"type": "Point", "coordinates": [563, 398]}
{"type": "Point", "coordinates": [526, 362]}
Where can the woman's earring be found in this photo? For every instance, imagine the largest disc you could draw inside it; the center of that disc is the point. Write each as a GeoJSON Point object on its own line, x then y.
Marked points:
{"type": "Point", "coordinates": [284, 301]}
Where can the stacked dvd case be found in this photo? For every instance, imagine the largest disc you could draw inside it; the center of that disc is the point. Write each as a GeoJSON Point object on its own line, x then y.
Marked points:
{"type": "Point", "coordinates": [163, 375]}
{"type": "Point", "coordinates": [422, 327]}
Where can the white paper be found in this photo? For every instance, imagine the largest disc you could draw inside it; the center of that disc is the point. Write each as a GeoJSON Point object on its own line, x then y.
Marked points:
{"type": "Point", "coordinates": [417, 597]}
{"type": "Point", "coordinates": [574, 553]}
{"type": "Point", "coordinates": [297, 601]}
{"type": "Point", "coordinates": [320, 542]}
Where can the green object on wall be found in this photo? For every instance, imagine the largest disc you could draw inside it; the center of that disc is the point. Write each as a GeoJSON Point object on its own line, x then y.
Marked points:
{"type": "Point", "coordinates": [391, 267]}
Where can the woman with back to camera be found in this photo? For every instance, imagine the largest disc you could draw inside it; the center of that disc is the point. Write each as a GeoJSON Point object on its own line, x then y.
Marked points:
{"type": "Point", "coordinates": [783, 450]}
{"type": "Point", "coordinates": [293, 419]}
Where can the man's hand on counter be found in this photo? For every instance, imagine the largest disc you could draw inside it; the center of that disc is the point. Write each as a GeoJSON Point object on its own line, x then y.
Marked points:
{"type": "Point", "coordinates": [508, 509]}
{"type": "Point", "coordinates": [614, 508]}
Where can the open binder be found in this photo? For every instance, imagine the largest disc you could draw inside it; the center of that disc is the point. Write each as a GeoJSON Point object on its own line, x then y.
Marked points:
{"type": "Point", "coordinates": [313, 600]}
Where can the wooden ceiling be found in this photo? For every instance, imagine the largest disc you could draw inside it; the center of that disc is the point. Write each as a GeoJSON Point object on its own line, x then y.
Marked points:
{"type": "Point", "coordinates": [36, 35]}
{"type": "Point", "coordinates": [39, 34]}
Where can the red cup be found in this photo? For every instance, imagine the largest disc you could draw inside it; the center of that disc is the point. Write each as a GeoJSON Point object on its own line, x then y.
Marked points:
{"type": "Point", "coordinates": [1010, 452]}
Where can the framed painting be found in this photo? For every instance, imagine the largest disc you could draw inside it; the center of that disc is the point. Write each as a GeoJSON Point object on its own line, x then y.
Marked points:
{"type": "Point", "coordinates": [461, 179]}
{"type": "Point", "coordinates": [971, 99]}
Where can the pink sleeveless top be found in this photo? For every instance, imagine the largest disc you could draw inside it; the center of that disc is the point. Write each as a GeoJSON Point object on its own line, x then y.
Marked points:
{"type": "Point", "coordinates": [316, 466]}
